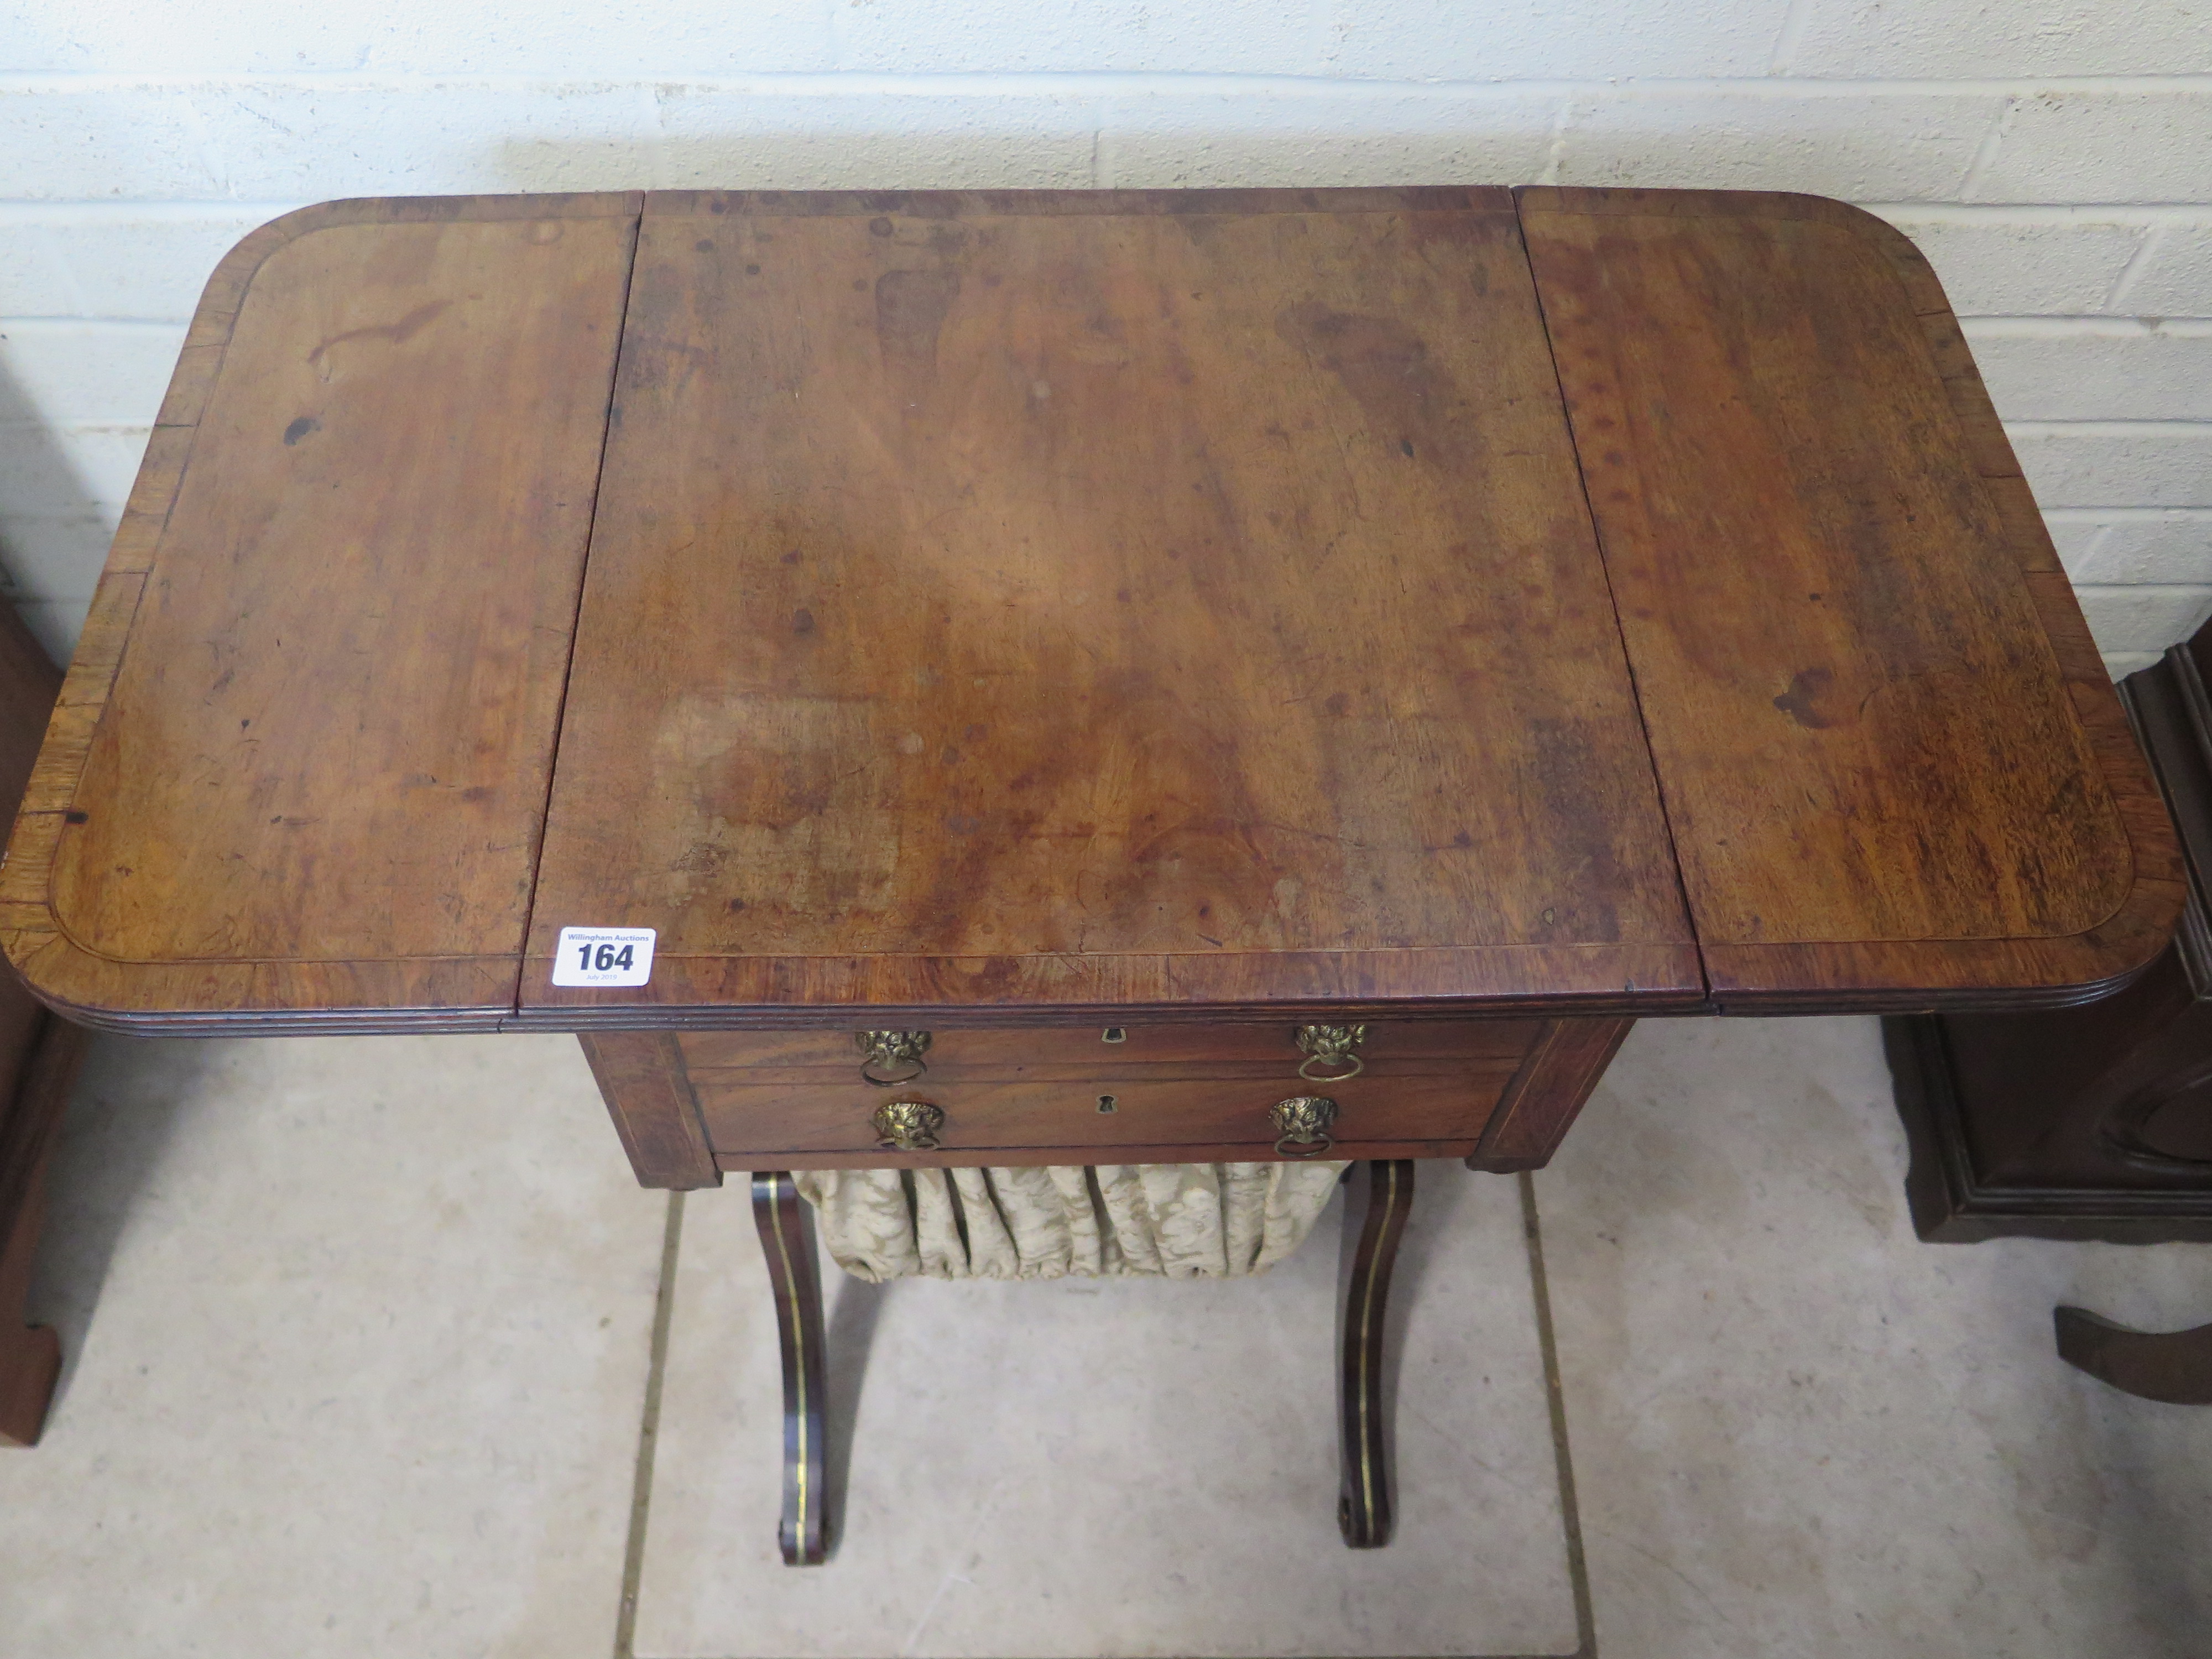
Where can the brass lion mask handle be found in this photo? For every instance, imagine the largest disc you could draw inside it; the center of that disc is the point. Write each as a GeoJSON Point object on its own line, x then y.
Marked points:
{"type": "Point", "coordinates": [892, 1057]}
{"type": "Point", "coordinates": [1303, 1123]}
{"type": "Point", "coordinates": [908, 1126]}
{"type": "Point", "coordinates": [1330, 1048]}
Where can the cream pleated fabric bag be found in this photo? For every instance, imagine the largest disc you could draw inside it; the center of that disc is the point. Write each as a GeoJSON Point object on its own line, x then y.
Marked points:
{"type": "Point", "coordinates": [1169, 1220]}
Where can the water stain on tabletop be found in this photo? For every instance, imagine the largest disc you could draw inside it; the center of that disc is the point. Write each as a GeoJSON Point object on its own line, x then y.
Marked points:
{"type": "Point", "coordinates": [394, 333]}
{"type": "Point", "coordinates": [911, 306]}
{"type": "Point", "coordinates": [1801, 701]}
{"type": "Point", "coordinates": [1384, 364]}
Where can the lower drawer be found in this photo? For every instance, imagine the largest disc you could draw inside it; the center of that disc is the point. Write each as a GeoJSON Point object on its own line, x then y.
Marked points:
{"type": "Point", "coordinates": [1140, 1106]}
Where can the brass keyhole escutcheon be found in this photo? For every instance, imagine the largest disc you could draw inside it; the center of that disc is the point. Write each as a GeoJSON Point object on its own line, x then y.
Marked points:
{"type": "Point", "coordinates": [908, 1126]}
{"type": "Point", "coordinates": [1302, 1124]}
{"type": "Point", "coordinates": [892, 1057]}
{"type": "Point", "coordinates": [1330, 1052]}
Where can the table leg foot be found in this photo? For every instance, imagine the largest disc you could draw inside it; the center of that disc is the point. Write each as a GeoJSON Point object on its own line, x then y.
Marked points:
{"type": "Point", "coordinates": [788, 1237]}
{"type": "Point", "coordinates": [2174, 1366]}
{"type": "Point", "coordinates": [30, 1355]}
{"type": "Point", "coordinates": [1382, 1191]}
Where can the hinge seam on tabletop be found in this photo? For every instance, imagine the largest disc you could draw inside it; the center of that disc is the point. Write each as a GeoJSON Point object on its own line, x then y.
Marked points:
{"type": "Point", "coordinates": [1605, 570]}
{"type": "Point", "coordinates": [583, 580]}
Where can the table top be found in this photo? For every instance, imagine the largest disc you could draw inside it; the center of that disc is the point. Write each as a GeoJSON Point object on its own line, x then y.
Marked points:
{"type": "Point", "coordinates": [1011, 607]}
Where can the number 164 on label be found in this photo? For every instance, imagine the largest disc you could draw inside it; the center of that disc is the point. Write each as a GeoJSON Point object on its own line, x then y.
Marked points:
{"type": "Point", "coordinates": [603, 956]}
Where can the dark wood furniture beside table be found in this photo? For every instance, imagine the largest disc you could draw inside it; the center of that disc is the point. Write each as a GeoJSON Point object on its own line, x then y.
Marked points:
{"type": "Point", "coordinates": [1108, 631]}
{"type": "Point", "coordinates": [2095, 1122]}
{"type": "Point", "coordinates": [39, 1056]}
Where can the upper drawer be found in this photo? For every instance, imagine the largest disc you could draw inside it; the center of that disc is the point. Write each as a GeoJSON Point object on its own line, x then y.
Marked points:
{"type": "Point", "coordinates": [1076, 1055]}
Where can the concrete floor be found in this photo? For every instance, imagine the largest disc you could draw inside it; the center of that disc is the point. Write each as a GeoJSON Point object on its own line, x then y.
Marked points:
{"type": "Point", "coordinates": [375, 1349]}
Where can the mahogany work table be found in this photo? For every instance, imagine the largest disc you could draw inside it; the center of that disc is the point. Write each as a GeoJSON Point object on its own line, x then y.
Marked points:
{"type": "Point", "coordinates": [1112, 632]}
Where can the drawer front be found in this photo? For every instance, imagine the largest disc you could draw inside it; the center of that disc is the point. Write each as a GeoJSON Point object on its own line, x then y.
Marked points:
{"type": "Point", "coordinates": [986, 1118]}
{"type": "Point", "coordinates": [1065, 1096]}
{"type": "Point", "coordinates": [1079, 1053]}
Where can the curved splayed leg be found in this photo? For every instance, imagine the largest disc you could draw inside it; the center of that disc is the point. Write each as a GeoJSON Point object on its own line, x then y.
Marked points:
{"type": "Point", "coordinates": [788, 1237]}
{"type": "Point", "coordinates": [1381, 1193]}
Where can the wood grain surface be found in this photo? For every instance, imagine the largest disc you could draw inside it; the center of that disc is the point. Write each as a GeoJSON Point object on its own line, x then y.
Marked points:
{"type": "Point", "coordinates": [1123, 607]}
{"type": "Point", "coordinates": [1892, 764]}
{"type": "Point", "coordinates": [300, 766]}
{"type": "Point", "coordinates": [1046, 607]}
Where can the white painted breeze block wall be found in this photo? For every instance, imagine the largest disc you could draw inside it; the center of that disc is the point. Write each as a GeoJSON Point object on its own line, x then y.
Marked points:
{"type": "Point", "coordinates": [2053, 157]}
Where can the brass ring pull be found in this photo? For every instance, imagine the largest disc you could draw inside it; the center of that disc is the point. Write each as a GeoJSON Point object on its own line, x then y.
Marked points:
{"type": "Point", "coordinates": [908, 1126]}
{"type": "Point", "coordinates": [891, 1057]}
{"type": "Point", "coordinates": [1302, 1124]}
{"type": "Point", "coordinates": [1330, 1046]}
{"type": "Point", "coordinates": [1306, 1069]}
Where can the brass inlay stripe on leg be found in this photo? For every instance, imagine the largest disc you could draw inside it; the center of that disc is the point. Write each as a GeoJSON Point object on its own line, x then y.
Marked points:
{"type": "Point", "coordinates": [1390, 1202]}
{"type": "Point", "coordinates": [798, 1349]}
